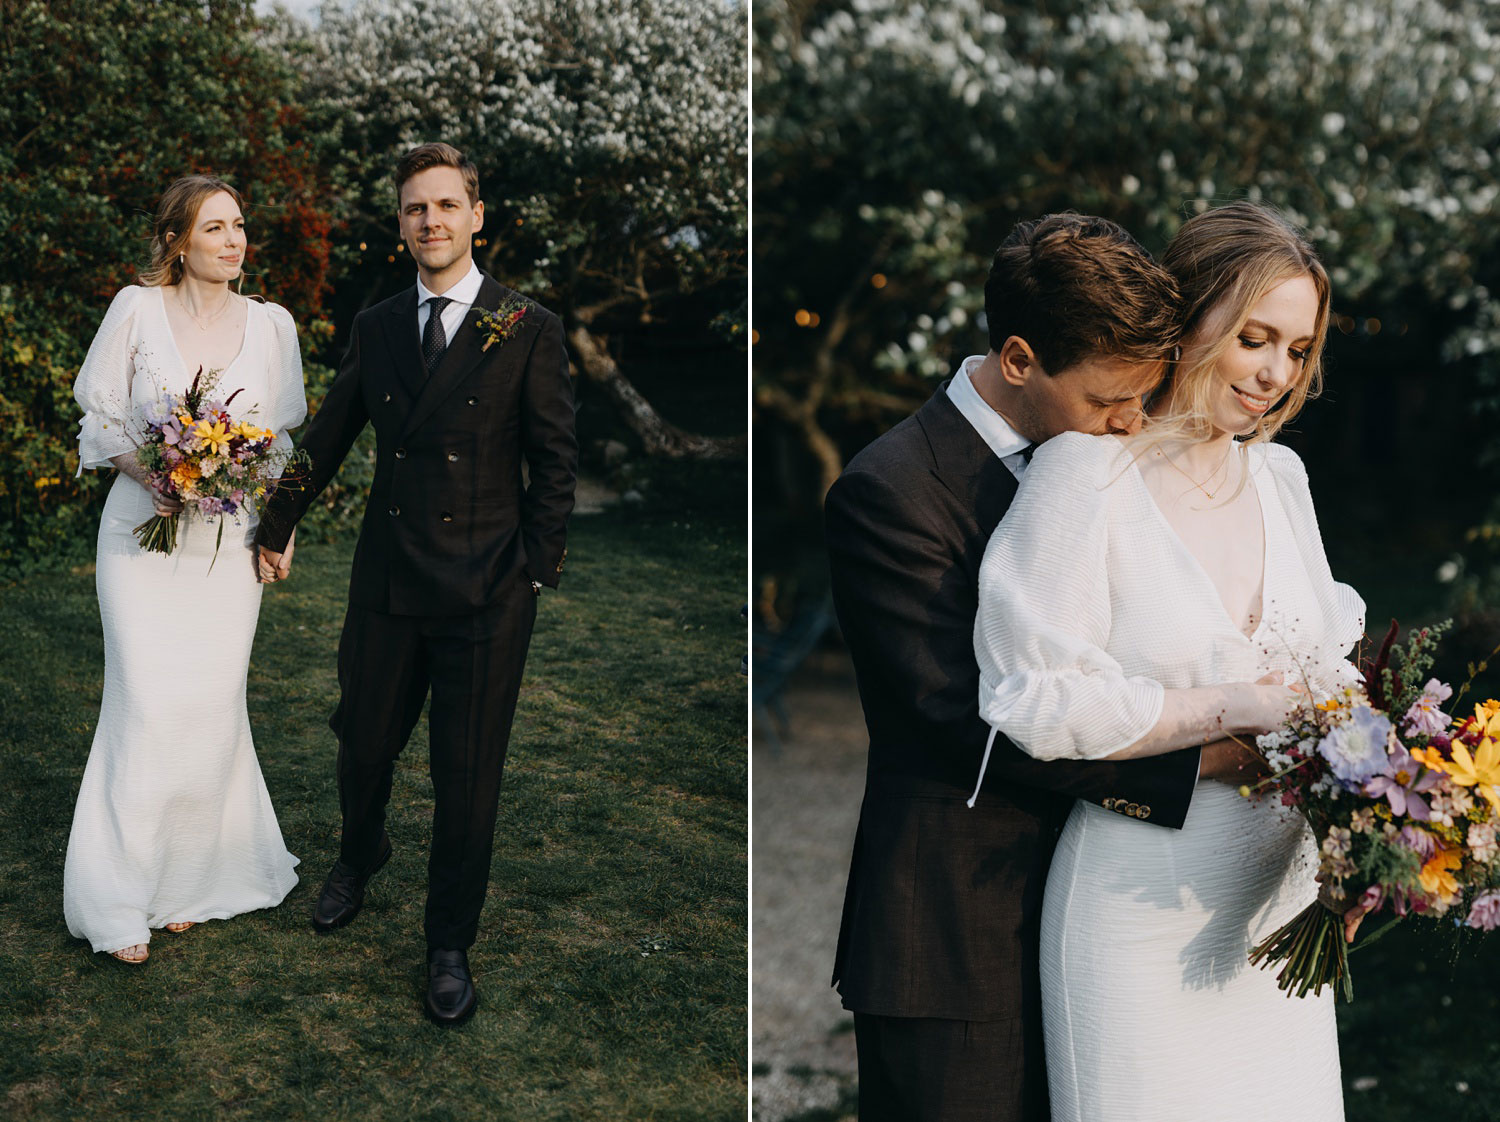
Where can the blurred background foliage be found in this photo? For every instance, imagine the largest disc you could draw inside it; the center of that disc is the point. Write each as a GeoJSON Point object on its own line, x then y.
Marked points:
{"type": "Point", "coordinates": [895, 144]}
{"type": "Point", "coordinates": [611, 147]}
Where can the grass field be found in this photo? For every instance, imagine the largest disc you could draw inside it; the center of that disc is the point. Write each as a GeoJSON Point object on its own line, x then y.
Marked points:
{"type": "Point", "coordinates": [611, 959]}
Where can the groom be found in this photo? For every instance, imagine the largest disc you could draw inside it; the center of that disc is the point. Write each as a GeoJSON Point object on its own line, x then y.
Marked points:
{"type": "Point", "coordinates": [938, 951]}
{"type": "Point", "coordinates": [462, 379]}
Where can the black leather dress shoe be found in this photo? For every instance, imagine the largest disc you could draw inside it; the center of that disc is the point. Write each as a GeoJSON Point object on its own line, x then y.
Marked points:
{"type": "Point", "coordinates": [451, 995]}
{"type": "Point", "coordinates": [344, 891]}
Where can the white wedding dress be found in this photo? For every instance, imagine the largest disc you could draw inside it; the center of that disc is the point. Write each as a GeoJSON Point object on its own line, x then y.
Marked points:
{"type": "Point", "coordinates": [173, 821]}
{"type": "Point", "coordinates": [1089, 605]}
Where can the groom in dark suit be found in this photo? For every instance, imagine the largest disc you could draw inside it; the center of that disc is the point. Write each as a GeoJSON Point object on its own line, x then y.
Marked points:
{"type": "Point", "coordinates": [938, 950]}
{"type": "Point", "coordinates": [463, 380]}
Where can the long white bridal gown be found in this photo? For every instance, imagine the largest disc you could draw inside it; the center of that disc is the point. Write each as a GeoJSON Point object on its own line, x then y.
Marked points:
{"type": "Point", "coordinates": [1089, 605]}
{"type": "Point", "coordinates": [173, 822]}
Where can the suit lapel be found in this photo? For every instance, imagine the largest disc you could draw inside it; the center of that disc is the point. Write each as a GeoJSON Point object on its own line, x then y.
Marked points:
{"type": "Point", "coordinates": [401, 337]}
{"type": "Point", "coordinates": [964, 463]}
{"type": "Point", "coordinates": [464, 351]}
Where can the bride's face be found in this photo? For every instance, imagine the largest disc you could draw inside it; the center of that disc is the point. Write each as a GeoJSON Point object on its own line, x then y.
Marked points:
{"type": "Point", "coordinates": [1266, 358]}
{"type": "Point", "coordinates": [215, 249]}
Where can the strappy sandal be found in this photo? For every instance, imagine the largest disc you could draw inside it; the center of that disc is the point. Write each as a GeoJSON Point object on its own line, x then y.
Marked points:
{"type": "Point", "coordinates": [123, 955]}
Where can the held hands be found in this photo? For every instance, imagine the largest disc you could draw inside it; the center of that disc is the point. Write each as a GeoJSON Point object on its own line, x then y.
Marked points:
{"type": "Point", "coordinates": [270, 566]}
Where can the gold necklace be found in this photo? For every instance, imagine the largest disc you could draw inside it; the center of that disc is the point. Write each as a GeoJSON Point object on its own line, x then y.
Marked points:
{"type": "Point", "coordinates": [1211, 475]}
{"type": "Point", "coordinates": [203, 325]}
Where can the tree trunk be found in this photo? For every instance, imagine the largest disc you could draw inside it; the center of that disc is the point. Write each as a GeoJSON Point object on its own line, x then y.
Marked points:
{"type": "Point", "coordinates": [658, 436]}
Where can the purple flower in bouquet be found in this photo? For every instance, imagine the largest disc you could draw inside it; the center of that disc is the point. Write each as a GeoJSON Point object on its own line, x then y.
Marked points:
{"type": "Point", "coordinates": [156, 412]}
{"type": "Point", "coordinates": [1402, 781]}
{"type": "Point", "coordinates": [1420, 842]}
{"type": "Point", "coordinates": [1485, 913]}
{"type": "Point", "coordinates": [1356, 750]}
{"type": "Point", "coordinates": [1426, 717]}
{"type": "Point", "coordinates": [171, 431]}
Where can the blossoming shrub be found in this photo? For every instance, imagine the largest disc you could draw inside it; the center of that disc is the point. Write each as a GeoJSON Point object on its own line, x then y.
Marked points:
{"type": "Point", "coordinates": [106, 103]}
{"type": "Point", "coordinates": [895, 144]}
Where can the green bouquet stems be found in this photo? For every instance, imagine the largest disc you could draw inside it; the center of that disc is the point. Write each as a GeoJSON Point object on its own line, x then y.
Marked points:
{"type": "Point", "coordinates": [1312, 947]}
{"type": "Point", "coordinates": [158, 534]}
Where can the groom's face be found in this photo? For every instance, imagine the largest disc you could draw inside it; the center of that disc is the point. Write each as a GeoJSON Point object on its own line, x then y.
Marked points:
{"type": "Point", "coordinates": [1095, 395]}
{"type": "Point", "coordinates": [438, 223]}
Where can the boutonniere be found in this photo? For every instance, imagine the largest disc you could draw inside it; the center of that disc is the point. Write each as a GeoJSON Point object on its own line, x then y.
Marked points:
{"type": "Point", "coordinates": [502, 323]}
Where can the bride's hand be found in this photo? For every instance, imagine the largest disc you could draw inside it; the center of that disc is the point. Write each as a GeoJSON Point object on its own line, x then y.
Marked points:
{"type": "Point", "coordinates": [164, 503]}
{"type": "Point", "coordinates": [1273, 702]}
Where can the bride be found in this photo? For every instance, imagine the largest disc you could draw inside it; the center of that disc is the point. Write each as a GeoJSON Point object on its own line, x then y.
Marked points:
{"type": "Point", "coordinates": [173, 824]}
{"type": "Point", "coordinates": [1128, 600]}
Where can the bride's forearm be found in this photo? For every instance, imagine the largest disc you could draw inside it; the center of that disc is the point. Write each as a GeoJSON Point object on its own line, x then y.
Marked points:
{"type": "Point", "coordinates": [1204, 713]}
{"type": "Point", "coordinates": [126, 463]}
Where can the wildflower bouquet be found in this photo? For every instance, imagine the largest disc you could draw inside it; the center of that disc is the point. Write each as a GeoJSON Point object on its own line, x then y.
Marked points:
{"type": "Point", "coordinates": [195, 451]}
{"type": "Point", "coordinates": [1403, 800]}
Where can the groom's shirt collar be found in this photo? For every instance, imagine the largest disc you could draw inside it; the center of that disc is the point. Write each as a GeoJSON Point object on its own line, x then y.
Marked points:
{"type": "Point", "coordinates": [992, 428]}
{"type": "Point", "coordinates": [463, 294]}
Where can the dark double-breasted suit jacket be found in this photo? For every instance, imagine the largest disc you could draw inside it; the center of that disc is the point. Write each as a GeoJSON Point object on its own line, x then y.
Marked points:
{"type": "Point", "coordinates": [942, 912]}
{"type": "Point", "coordinates": [449, 524]}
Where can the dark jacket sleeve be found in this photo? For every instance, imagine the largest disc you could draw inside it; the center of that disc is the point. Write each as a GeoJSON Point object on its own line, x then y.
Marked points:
{"type": "Point", "coordinates": [907, 608]}
{"type": "Point", "coordinates": [329, 436]}
{"type": "Point", "coordinates": [550, 445]}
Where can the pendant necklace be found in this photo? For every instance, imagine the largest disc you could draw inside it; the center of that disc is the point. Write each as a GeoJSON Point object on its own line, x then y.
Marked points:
{"type": "Point", "coordinates": [1211, 476]}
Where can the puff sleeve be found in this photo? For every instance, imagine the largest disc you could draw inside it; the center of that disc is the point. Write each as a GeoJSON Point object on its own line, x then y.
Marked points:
{"type": "Point", "coordinates": [1045, 678]}
{"type": "Point", "coordinates": [103, 385]}
{"type": "Point", "coordinates": [284, 373]}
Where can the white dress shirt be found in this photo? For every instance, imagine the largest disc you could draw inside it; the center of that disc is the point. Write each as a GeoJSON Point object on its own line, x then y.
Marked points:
{"type": "Point", "coordinates": [994, 429]}
{"type": "Point", "coordinates": [463, 294]}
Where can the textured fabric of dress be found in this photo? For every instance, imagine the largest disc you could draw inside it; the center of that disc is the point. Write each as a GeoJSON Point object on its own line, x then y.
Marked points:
{"type": "Point", "coordinates": [1090, 604]}
{"type": "Point", "coordinates": [173, 821]}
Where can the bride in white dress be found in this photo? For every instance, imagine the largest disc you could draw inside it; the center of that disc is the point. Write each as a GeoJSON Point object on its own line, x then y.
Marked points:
{"type": "Point", "coordinates": [173, 824]}
{"type": "Point", "coordinates": [1142, 595]}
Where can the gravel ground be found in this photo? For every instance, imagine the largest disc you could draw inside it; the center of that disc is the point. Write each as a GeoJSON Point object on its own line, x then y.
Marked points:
{"type": "Point", "coordinates": [805, 807]}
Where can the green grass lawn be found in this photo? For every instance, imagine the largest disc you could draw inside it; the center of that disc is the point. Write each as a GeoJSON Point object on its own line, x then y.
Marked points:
{"type": "Point", "coordinates": [611, 959]}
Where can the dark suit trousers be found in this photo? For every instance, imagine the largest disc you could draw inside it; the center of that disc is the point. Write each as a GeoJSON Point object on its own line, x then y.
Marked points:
{"type": "Point", "coordinates": [924, 1069]}
{"type": "Point", "coordinates": [472, 666]}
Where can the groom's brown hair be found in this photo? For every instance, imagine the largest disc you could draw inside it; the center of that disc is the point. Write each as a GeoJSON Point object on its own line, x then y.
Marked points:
{"type": "Point", "coordinates": [1075, 286]}
{"type": "Point", "coordinates": [437, 155]}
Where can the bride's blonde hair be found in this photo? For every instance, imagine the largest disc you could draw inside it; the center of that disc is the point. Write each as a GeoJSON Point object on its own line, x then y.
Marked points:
{"type": "Point", "coordinates": [1224, 261]}
{"type": "Point", "coordinates": [173, 226]}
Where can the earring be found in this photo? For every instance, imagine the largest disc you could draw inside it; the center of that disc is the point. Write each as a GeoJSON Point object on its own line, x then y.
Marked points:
{"type": "Point", "coordinates": [182, 259]}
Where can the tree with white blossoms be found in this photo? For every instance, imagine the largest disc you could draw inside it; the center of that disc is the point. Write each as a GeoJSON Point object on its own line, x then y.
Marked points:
{"type": "Point", "coordinates": [895, 143]}
{"type": "Point", "coordinates": [610, 138]}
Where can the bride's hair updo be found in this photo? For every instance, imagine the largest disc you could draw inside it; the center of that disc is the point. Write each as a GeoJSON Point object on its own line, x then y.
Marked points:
{"type": "Point", "coordinates": [176, 215]}
{"type": "Point", "coordinates": [1224, 261]}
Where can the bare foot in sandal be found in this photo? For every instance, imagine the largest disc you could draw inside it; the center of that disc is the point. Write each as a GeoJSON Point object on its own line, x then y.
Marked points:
{"type": "Point", "coordinates": [174, 928]}
{"type": "Point", "coordinates": [134, 955]}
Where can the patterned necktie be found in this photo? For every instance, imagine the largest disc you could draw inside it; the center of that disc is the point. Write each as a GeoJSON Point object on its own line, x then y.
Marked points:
{"type": "Point", "coordinates": [434, 339]}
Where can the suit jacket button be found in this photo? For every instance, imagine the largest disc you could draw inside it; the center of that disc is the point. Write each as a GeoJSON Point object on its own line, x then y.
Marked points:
{"type": "Point", "coordinates": [1109, 804]}
{"type": "Point", "coordinates": [400, 453]}
{"type": "Point", "coordinates": [1144, 812]}
{"type": "Point", "coordinates": [385, 397]}
{"type": "Point", "coordinates": [395, 512]}
{"type": "Point", "coordinates": [447, 517]}
{"type": "Point", "coordinates": [453, 457]}
{"type": "Point", "coordinates": [473, 401]}
{"type": "Point", "coordinates": [1131, 808]}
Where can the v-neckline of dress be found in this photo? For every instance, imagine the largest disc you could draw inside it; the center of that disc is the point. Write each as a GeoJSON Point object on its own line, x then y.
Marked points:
{"type": "Point", "coordinates": [1197, 566]}
{"type": "Point", "coordinates": [161, 291]}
